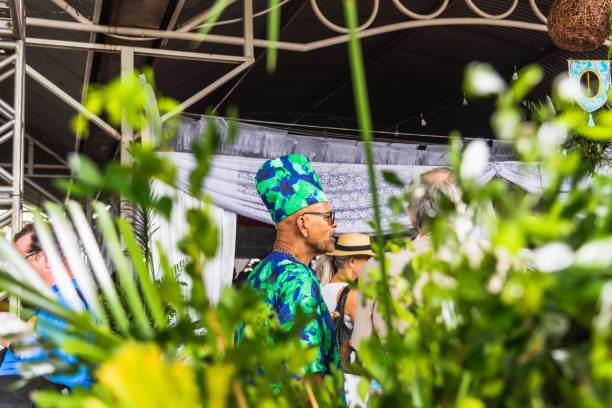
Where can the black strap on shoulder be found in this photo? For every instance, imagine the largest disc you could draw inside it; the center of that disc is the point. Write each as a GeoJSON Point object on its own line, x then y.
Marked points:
{"type": "Point", "coordinates": [342, 300]}
{"type": "Point", "coordinates": [2, 354]}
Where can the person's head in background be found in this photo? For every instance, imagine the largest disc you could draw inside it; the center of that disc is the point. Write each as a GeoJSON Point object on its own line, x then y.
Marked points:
{"type": "Point", "coordinates": [345, 262]}
{"type": "Point", "coordinates": [27, 243]}
{"type": "Point", "coordinates": [426, 196]}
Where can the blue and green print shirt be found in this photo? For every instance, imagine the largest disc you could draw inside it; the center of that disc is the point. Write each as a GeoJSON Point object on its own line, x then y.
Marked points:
{"type": "Point", "coordinates": [289, 284]}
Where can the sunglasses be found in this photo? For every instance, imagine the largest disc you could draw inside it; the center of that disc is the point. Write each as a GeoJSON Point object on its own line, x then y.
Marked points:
{"type": "Point", "coordinates": [29, 254]}
{"type": "Point", "coordinates": [330, 215]}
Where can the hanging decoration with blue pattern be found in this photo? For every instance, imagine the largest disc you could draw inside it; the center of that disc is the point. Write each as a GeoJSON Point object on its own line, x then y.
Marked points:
{"type": "Point", "coordinates": [593, 79]}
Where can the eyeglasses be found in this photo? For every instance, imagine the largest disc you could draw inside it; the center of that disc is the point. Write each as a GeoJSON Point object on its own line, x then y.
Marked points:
{"type": "Point", "coordinates": [330, 215]}
{"type": "Point", "coordinates": [29, 254]}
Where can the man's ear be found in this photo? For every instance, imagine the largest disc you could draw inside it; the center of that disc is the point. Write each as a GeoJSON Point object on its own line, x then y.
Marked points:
{"type": "Point", "coordinates": [351, 261]}
{"type": "Point", "coordinates": [409, 210]}
{"type": "Point", "coordinates": [302, 225]}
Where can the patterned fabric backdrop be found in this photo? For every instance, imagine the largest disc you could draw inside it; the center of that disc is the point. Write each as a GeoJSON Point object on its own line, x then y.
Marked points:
{"type": "Point", "coordinates": [231, 185]}
{"type": "Point", "coordinates": [340, 165]}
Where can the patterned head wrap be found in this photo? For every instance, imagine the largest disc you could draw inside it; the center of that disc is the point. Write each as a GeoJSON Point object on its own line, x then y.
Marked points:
{"type": "Point", "coordinates": [288, 184]}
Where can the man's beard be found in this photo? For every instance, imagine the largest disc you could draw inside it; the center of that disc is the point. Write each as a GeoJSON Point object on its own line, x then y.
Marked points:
{"type": "Point", "coordinates": [324, 247]}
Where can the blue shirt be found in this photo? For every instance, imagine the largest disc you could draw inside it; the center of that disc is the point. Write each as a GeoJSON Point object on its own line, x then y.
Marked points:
{"type": "Point", "coordinates": [288, 286]}
{"type": "Point", "coordinates": [54, 328]}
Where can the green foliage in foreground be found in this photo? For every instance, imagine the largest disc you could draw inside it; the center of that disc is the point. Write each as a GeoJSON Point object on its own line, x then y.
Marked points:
{"type": "Point", "coordinates": [523, 322]}
{"type": "Point", "coordinates": [158, 341]}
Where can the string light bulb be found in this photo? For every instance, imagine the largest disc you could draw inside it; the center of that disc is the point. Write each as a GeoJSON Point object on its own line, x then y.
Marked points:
{"type": "Point", "coordinates": [515, 75]}
{"type": "Point", "coordinates": [423, 122]}
{"type": "Point", "coordinates": [465, 101]}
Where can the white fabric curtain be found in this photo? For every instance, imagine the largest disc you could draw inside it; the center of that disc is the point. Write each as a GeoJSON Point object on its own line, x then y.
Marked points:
{"type": "Point", "coordinates": [219, 271]}
{"type": "Point", "coordinates": [266, 143]}
{"type": "Point", "coordinates": [231, 185]}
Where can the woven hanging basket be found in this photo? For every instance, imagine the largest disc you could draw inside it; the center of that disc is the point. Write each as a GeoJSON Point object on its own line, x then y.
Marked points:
{"type": "Point", "coordinates": [579, 25]}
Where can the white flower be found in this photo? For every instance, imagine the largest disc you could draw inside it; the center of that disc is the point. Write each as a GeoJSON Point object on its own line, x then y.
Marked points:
{"type": "Point", "coordinates": [551, 136]}
{"type": "Point", "coordinates": [486, 82]}
{"type": "Point", "coordinates": [559, 355]}
{"type": "Point", "coordinates": [475, 160]}
{"type": "Point", "coordinates": [553, 257]}
{"type": "Point", "coordinates": [463, 227]}
{"type": "Point", "coordinates": [603, 320]}
{"type": "Point", "coordinates": [567, 88]}
{"type": "Point", "coordinates": [595, 254]}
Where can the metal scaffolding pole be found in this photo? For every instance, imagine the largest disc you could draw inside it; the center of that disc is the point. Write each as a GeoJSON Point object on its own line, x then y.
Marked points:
{"type": "Point", "coordinates": [63, 95]}
{"type": "Point", "coordinates": [18, 21]}
{"type": "Point", "coordinates": [18, 137]}
{"type": "Point", "coordinates": [127, 132]}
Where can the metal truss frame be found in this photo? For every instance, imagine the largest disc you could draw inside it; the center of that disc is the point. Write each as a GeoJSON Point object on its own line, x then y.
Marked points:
{"type": "Point", "coordinates": [13, 44]}
{"type": "Point", "coordinates": [15, 41]}
{"type": "Point", "coordinates": [365, 30]}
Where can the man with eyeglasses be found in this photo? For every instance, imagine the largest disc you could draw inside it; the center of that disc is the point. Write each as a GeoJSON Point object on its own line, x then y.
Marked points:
{"type": "Point", "coordinates": [27, 243]}
{"type": "Point", "coordinates": [305, 224]}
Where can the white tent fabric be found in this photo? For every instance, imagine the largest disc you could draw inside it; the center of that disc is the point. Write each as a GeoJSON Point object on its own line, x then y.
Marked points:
{"type": "Point", "coordinates": [231, 185]}
{"type": "Point", "coordinates": [340, 165]}
{"type": "Point", "coordinates": [219, 270]}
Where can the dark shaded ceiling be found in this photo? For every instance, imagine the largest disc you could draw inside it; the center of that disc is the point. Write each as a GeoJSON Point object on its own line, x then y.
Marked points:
{"type": "Point", "coordinates": [410, 73]}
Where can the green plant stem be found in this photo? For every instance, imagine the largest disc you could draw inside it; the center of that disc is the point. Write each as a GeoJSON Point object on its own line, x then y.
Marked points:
{"type": "Point", "coordinates": [273, 32]}
{"type": "Point", "coordinates": [365, 123]}
{"type": "Point", "coordinates": [215, 13]}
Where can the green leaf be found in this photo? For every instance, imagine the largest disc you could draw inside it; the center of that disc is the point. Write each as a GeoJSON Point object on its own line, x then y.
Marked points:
{"type": "Point", "coordinates": [85, 170]}
{"type": "Point", "coordinates": [506, 123]}
{"type": "Point", "coordinates": [99, 266]}
{"type": "Point", "coordinates": [122, 266]}
{"type": "Point", "coordinates": [233, 129]}
{"type": "Point", "coordinates": [72, 254]}
{"type": "Point", "coordinates": [470, 402]}
{"type": "Point", "coordinates": [599, 133]}
{"type": "Point", "coordinates": [164, 206]}
{"type": "Point", "coordinates": [74, 189]}
{"type": "Point", "coordinates": [528, 78]}
{"type": "Point", "coordinates": [363, 388]}
{"type": "Point", "coordinates": [149, 290]}
{"type": "Point", "coordinates": [169, 285]}
{"type": "Point", "coordinates": [392, 178]}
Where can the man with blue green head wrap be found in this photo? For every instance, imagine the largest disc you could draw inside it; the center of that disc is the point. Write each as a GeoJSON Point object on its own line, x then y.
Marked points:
{"type": "Point", "coordinates": [305, 224]}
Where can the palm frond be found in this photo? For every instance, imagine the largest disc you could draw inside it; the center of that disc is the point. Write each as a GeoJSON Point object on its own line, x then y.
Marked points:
{"type": "Point", "coordinates": [135, 309]}
{"type": "Point", "coordinates": [144, 225]}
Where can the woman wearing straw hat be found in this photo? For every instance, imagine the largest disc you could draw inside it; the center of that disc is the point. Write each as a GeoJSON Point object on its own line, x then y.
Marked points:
{"type": "Point", "coordinates": [334, 270]}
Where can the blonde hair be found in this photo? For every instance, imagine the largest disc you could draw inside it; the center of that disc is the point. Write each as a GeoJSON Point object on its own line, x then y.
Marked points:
{"type": "Point", "coordinates": [327, 266]}
{"type": "Point", "coordinates": [424, 200]}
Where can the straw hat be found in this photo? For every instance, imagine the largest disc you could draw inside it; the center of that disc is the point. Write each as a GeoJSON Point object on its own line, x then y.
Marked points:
{"type": "Point", "coordinates": [353, 244]}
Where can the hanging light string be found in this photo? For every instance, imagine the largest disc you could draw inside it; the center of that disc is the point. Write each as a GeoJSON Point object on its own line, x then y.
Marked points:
{"type": "Point", "coordinates": [336, 132]}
